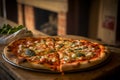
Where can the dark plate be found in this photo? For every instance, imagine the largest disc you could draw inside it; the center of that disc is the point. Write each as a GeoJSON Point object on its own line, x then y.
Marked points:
{"type": "Point", "coordinates": [71, 71]}
{"type": "Point", "coordinates": [26, 68]}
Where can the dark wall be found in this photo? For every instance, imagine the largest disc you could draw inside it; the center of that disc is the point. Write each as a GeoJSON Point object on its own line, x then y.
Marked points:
{"type": "Point", "coordinates": [78, 17]}
{"type": "Point", "coordinates": [84, 13]}
{"type": "Point", "coordinates": [11, 8]}
{"type": "Point", "coordinates": [118, 22]}
{"type": "Point", "coordinates": [42, 17]}
{"type": "Point", "coordinates": [72, 17]}
{"type": "Point", "coordinates": [1, 8]}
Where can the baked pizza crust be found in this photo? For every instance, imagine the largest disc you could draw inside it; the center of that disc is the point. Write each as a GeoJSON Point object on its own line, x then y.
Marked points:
{"type": "Point", "coordinates": [63, 67]}
{"type": "Point", "coordinates": [22, 62]}
{"type": "Point", "coordinates": [86, 64]}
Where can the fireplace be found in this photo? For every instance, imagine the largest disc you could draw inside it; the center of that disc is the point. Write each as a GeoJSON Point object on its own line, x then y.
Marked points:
{"type": "Point", "coordinates": [46, 21]}
{"type": "Point", "coordinates": [44, 15]}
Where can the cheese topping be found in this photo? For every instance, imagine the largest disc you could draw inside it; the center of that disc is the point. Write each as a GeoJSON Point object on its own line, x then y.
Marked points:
{"type": "Point", "coordinates": [68, 50]}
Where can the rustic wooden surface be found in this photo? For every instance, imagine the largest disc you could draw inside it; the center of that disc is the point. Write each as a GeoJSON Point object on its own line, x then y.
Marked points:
{"type": "Point", "coordinates": [94, 74]}
{"type": "Point", "coordinates": [13, 72]}
{"type": "Point", "coordinates": [4, 74]}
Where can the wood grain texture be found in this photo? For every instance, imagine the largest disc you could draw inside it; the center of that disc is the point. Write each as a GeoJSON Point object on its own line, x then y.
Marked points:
{"type": "Point", "coordinates": [4, 75]}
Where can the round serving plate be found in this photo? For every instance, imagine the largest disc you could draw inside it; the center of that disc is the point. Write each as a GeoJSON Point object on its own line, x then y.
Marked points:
{"type": "Point", "coordinates": [49, 71]}
{"type": "Point", "coordinates": [26, 68]}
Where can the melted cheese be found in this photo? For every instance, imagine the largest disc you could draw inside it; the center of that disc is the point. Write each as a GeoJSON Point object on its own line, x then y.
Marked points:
{"type": "Point", "coordinates": [67, 50]}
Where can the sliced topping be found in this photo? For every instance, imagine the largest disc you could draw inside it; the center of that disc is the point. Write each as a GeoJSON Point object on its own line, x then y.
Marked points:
{"type": "Point", "coordinates": [66, 58]}
{"type": "Point", "coordinates": [89, 55]}
{"type": "Point", "coordinates": [77, 42]}
{"type": "Point", "coordinates": [31, 47]}
{"type": "Point", "coordinates": [79, 54]}
{"type": "Point", "coordinates": [53, 59]}
{"type": "Point", "coordinates": [29, 52]}
{"type": "Point", "coordinates": [73, 45]}
{"type": "Point", "coordinates": [51, 51]}
{"type": "Point", "coordinates": [67, 43]}
{"type": "Point", "coordinates": [20, 48]}
{"type": "Point", "coordinates": [73, 56]}
{"type": "Point", "coordinates": [42, 41]}
{"type": "Point", "coordinates": [29, 43]}
{"type": "Point", "coordinates": [60, 42]}
{"type": "Point", "coordinates": [38, 51]}
{"type": "Point", "coordinates": [36, 42]}
{"type": "Point", "coordinates": [69, 50]}
{"type": "Point", "coordinates": [78, 48]}
{"type": "Point", "coordinates": [60, 46]}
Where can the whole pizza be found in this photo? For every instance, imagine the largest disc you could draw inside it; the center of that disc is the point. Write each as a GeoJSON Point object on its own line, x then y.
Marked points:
{"type": "Point", "coordinates": [55, 53]}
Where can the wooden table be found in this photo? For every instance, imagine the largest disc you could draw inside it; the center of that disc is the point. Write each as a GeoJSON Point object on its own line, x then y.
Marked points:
{"type": "Point", "coordinates": [10, 72]}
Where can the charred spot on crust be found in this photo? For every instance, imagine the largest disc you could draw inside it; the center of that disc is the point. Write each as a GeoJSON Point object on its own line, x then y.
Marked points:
{"type": "Point", "coordinates": [9, 47]}
{"type": "Point", "coordinates": [9, 50]}
{"type": "Point", "coordinates": [22, 60]}
{"type": "Point", "coordinates": [89, 61]}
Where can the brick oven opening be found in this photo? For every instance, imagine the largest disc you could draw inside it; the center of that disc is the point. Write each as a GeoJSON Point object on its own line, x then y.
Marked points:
{"type": "Point", "coordinates": [46, 21]}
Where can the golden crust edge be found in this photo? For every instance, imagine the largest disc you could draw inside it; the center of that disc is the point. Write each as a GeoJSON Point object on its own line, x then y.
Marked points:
{"type": "Point", "coordinates": [83, 65]}
{"type": "Point", "coordinates": [87, 64]}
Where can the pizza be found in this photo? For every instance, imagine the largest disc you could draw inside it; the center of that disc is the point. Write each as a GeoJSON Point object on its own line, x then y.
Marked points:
{"type": "Point", "coordinates": [58, 54]}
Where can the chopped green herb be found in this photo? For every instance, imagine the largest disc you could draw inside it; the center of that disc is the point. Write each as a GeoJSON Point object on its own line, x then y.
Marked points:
{"type": "Point", "coordinates": [8, 29]}
{"type": "Point", "coordinates": [60, 46]}
{"type": "Point", "coordinates": [78, 49]}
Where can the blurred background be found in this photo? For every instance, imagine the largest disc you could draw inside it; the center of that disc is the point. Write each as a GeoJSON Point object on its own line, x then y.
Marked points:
{"type": "Point", "coordinates": [96, 19]}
